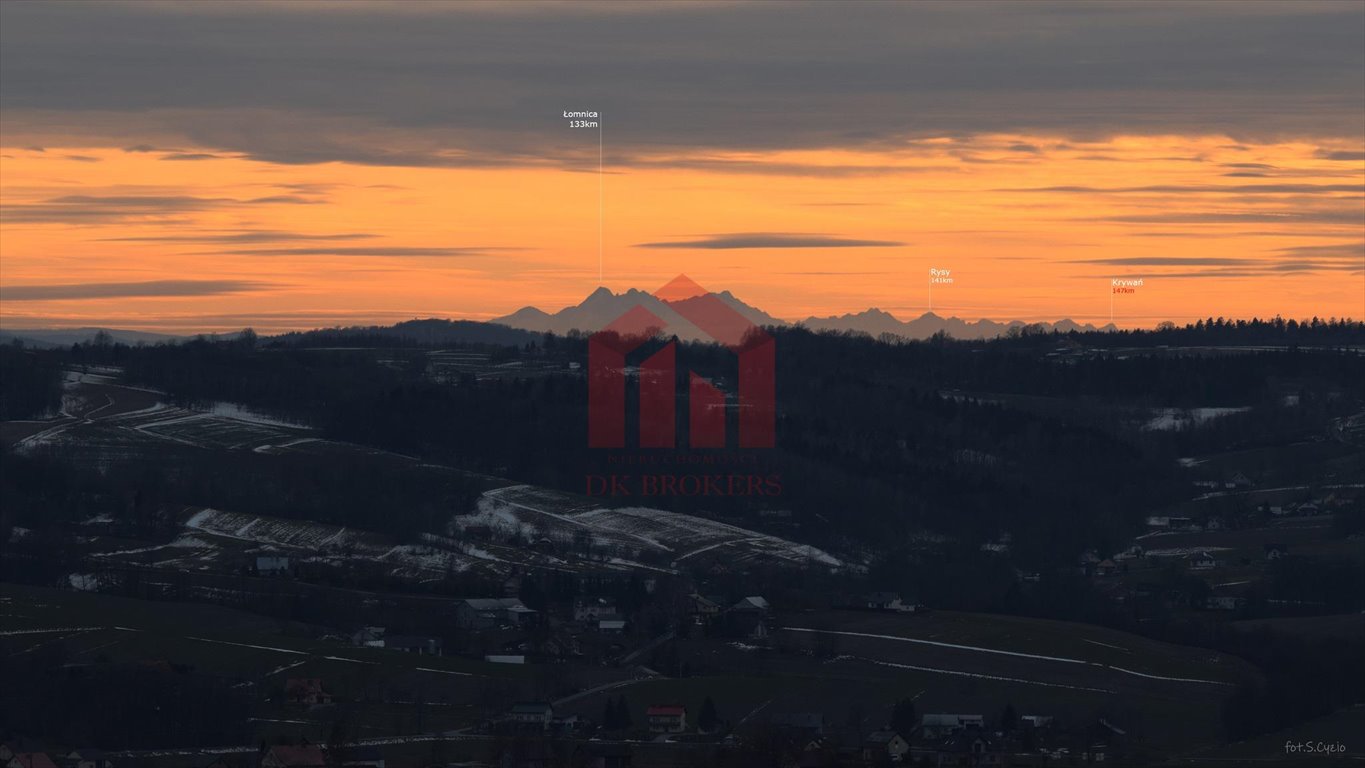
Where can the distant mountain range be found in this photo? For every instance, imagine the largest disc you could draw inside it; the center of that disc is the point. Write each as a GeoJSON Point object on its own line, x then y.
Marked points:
{"type": "Point", "coordinates": [602, 307]}
{"type": "Point", "coordinates": [596, 311]}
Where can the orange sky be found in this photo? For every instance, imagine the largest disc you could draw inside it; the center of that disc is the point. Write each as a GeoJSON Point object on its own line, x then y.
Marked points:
{"type": "Point", "coordinates": [1031, 226]}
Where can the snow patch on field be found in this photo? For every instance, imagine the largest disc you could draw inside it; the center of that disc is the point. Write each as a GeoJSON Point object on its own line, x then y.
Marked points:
{"type": "Point", "coordinates": [325, 541]}
{"type": "Point", "coordinates": [242, 413]}
{"type": "Point", "coordinates": [1168, 419]}
{"type": "Point", "coordinates": [529, 513]}
{"type": "Point", "coordinates": [1183, 551]}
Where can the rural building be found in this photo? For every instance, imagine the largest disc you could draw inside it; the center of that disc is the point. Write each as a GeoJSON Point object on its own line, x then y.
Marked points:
{"type": "Point", "coordinates": [531, 714]}
{"type": "Point", "coordinates": [368, 637]}
{"type": "Point", "coordinates": [612, 625]}
{"type": "Point", "coordinates": [1202, 561]}
{"type": "Point", "coordinates": [1224, 603]}
{"type": "Point", "coordinates": [306, 690]}
{"type": "Point", "coordinates": [30, 760]}
{"type": "Point", "coordinates": [752, 604]}
{"type": "Point", "coordinates": [886, 601]}
{"type": "Point", "coordinates": [589, 610]}
{"type": "Point", "coordinates": [272, 565]}
{"type": "Point", "coordinates": [702, 608]}
{"type": "Point", "coordinates": [490, 612]}
{"type": "Point", "coordinates": [666, 718]}
{"type": "Point", "coordinates": [87, 758]}
{"type": "Point", "coordinates": [966, 748]}
{"type": "Point", "coordinates": [424, 645]}
{"type": "Point", "coordinates": [885, 743]}
{"type": "Point", "coordinates": [307, 756]}
{"type": "Point", "coordinates": [934, 726]}
{"type": "Point", "coordinates": [505, 658]}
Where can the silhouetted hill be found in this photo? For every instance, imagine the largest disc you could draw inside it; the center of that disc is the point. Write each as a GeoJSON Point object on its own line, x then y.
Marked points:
{"type": "Point", "coordinates": [426, 331]}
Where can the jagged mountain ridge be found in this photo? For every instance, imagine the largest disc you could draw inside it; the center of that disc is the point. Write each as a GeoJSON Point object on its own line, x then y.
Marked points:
{"type": "Point", "coordinates": [603, 306]}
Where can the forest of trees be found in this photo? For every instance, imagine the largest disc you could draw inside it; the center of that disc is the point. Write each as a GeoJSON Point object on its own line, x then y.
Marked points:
{"type": "Point", "coordinates": [1037, 435]}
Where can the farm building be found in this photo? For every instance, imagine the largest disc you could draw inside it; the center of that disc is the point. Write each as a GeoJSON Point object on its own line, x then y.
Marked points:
{"type": "Point", "coordinates": [667, 718]}
{"type": "Point", "coordinates": [486, 613]}
{"type": "Point", "coordinates": [532, 713]}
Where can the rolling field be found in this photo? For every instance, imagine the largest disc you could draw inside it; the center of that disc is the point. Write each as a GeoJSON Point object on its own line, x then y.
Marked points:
{"type": "Point", "coordinates": [259, 653]}
{"type": "Point", "coordinates": [954, 662]}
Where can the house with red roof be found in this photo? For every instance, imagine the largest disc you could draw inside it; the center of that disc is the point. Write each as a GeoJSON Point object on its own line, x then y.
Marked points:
{"type": "Point", "coordinates": [667, 718]}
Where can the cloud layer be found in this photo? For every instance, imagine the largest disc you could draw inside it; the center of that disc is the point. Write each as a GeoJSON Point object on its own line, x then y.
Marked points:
{"type": "Point", "coordinates": [478, 85]}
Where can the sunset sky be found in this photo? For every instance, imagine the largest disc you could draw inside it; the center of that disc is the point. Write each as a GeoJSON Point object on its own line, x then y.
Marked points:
{"type": "Point", "coordinates": [204, 167]}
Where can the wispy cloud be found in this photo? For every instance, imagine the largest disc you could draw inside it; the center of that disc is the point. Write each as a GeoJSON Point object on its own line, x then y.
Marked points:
{"type": "Point", "coordinates": [191, 156]}
{"type": "Point", "coordinates": [1159, 261]}
{"type": "Point", "coordinates": [98, 208]}
{"type": "Point", "coordinates": [244, 237]}
{"type": "Point", "coordinates": [130, 290]}
{"type": "Point", "coordinates": [1340, 154]}
{"type": "Point", "coordinates": [385, 251]}
{"type": "Point", "coordinates": [1226, 189]}
{"type": "Point", "coordinates": [737, 240]}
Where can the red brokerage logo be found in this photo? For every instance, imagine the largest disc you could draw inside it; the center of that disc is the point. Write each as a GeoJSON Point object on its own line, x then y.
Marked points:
{"type": "Point", "coordinates": [713, 319]}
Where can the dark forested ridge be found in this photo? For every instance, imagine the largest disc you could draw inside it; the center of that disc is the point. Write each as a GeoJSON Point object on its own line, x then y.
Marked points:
{"type": "Point", "coordinates": [1038, 434]}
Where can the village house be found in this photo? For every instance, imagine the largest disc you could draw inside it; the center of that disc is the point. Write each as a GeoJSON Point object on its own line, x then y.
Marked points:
{"type": "Point", "coordinates": [885, 743]}
{"type": "Point", "coordinates": [368, 637]}
{"type": "Point", "coordinates": [611, 625]}
{"type": "Point", "coordinates": [531, 714]}
{"type": "Point", "coordinates": [272, 565]}
{"type": "Point", "coordinates": [973, 748]}
{"type": "Point", "coordinates": [666, 718]}
{"type": "Point", "coordinates": [423, 645]}
{"type": "Point", "coordinates": [87, 758]}
{"type": "Point", "coordinates": [886, 601]}
{"type": "Point", "coordinates": [306, 690]}
{"type": "Point", "coordinates": [701, 609]}
{"type": "Point", "coordinates": [490, 612]}
{"type": "Point", "coordinates": [1202, 561]}
{"type": "Point", "coordinates": [1106, 567]}
{"type": "Point", "coordinates": [1224, 602]}
{"type": "Point", "coordinates": [30, 760]}
{"type": "Point", "coordinates": [933, 726]}
{"type": "Point", "coordinates": [752, 604]}
{"type": "Point", "coordinates": [589, 610]}
{"type": "Point", "coordinates": [283, 756]}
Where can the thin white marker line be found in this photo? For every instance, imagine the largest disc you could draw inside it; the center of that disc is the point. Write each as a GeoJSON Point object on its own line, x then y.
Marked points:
{"type": "Point", "coordinates": [599, 199]}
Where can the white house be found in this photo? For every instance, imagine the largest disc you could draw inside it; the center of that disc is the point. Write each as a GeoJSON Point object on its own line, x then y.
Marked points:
{"type": "Point", "coordinates": [1202, 561]}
